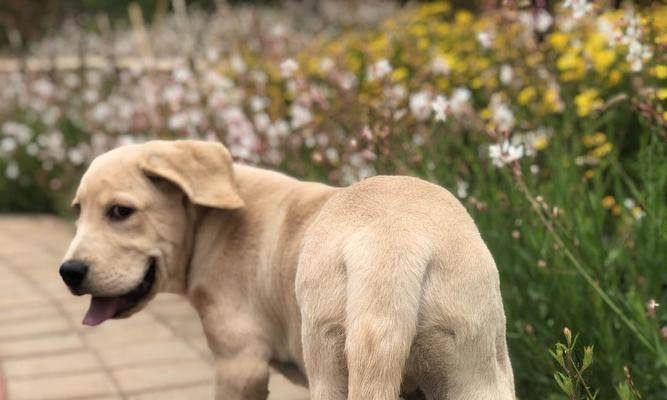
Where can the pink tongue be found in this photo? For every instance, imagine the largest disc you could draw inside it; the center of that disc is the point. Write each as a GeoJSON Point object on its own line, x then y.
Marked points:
{"type": "Point", "coordinates": [101, 309]}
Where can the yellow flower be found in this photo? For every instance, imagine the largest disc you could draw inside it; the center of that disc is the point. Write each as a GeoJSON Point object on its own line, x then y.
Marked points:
{"type": "Point", "coordinates": [589, 174]}
{"type": "Point", "coordinates": [540, 143]}
{"type": "Point", "coordinates": [534, 59]}
{"type": "Point", "coordinates": [442, 83]}
{"type": "Point", "coordinates": [485, 114]}
{"type": "Point", "coordinates": [379, 45]}
{"type": "Point", "coordinates": [399, 74]}
{"type": "Point", "coordinates": [615, 76]}
{"type": "Point", "coordinates": [661, 39]}
{"type": "Point", "coordinates": [602, 150]}
{"type": "Point", "coordinates": [558, 40]}
{"type": "Point", "coordinates": [616, 210]}
{"type": "Point", "coordinates": [463, 17]}
{"type": "Point", "coordinates": [526, 95]}
{"type": "Point", "coordinates": [441, 28]}
{"type": "Point", "coordinates": [594, 140]}
{"type": "Point", "coordinates": [418, 30]}
{"type": "Point", "coordinates": [587, 102]}
{"type": "Point", "coordinates": [660, 71]}
{"type": "Point", "coordinates": [551, 100]}
{"type": "Point", "coordinates": [602, 60]}
{"type": "Point", "coordinates": [662, 93]}
{"type": "Point", "coordinates": [608, 202]}
{"type": "Point", "coordinates": [572, 66]}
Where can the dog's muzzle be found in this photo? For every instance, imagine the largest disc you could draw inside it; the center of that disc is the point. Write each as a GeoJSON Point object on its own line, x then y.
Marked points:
{"type": "Point", "coordinates": [104, 308]}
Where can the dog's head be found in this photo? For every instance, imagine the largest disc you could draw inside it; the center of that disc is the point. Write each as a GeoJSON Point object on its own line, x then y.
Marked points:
{"type": "Point", "coordinates": [136, 207]}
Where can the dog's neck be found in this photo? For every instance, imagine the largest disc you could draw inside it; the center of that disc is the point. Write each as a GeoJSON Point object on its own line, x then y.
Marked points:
{"type": "Point", "coordinates": [260, 241]}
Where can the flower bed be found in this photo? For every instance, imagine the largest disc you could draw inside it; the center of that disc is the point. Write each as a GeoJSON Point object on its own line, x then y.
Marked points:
{"type": "Point", "coordinates": [550, 129]}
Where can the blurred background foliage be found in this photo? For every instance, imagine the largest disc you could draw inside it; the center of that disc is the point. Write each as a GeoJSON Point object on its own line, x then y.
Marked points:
{"type": "Point", "coordinates": [547, 120]}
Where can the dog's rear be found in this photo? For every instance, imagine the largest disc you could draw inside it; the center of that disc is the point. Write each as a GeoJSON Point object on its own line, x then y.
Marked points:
{"type": "Point", "coordinates": [398, 293]}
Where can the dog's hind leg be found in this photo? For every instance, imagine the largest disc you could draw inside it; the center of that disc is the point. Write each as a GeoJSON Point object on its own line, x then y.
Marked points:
{"type": "Point", "coordinates": [385, 267]}
{"type": "Point", "coordinates": [320, 292]}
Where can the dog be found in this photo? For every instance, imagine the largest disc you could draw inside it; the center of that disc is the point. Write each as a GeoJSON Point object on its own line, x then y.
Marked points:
{"type": "Point", "coordinates": [378, 290]}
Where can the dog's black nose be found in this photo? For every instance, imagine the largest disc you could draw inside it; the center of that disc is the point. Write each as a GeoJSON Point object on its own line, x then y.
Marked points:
{"type": "Point", "coordinates": [73, 273]}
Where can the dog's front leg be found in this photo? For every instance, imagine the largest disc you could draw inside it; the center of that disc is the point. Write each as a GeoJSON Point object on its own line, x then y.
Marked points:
{"type": "Point", "coordinates": [242, 377]}
{"type": "Point", "coordinates": [241, 353]}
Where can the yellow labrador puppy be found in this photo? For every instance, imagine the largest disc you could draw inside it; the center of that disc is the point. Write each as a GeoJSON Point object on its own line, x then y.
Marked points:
{"type": "Point", "coordinates": [373, 291]}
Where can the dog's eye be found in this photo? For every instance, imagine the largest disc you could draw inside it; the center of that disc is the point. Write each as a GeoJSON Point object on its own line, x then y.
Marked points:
{"type": "Point", "coordinates": [119, 213]}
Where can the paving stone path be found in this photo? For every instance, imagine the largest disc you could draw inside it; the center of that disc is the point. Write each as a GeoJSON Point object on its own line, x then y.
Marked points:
{"type": "Point", "coordinates": [46, 354]}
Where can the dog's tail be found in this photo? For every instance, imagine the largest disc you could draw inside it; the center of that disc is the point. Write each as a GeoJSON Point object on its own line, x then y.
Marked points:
{"type": "Point", "coordinates": [385, 267]}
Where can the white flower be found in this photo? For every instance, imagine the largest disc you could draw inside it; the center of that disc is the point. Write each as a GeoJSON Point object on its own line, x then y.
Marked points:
{"type": "Point", "coordinates": [212, 54]}
{"type": "Point", "coordinates": [178, 121]}
{"type": "Point", "coordinates": [12, 171]}
{"type": "Point", "coordinates": [420, 105]}
{"type": "Point", "coordinates": [101, 112]}
{"type": "Point", "coordinates": [440, 107]}
{"type": "Point", "coordinates": [44, 88]}
{"type": "Point", "coordinates": [182, 74]}
{"type": "Point", "coordinates": [504, 153]}
{"type": "Point", "coordinates": [7, 145]}
{"type": "Point", "coordinates": [501, 115]}
{"type": "Point", "coordinates": [461, 188]}
{"type": "Point", "coordinates": [21, 132]}
{"type": "Point", "coordinates": [326, 64]}
{"type": "Point", "coordinates": [485, 39]}
{"type": "Point", "coordinates": [240, 135]}
{"type": "Point", "coordinates": [258, 103]}
{"type": "Point", "coordinates": [579, 7]}
{"type": "Point", "coordinates": [216, 80]}
{"type": "Point", "coordinates": [331, 155]}
{"type": "Point", "coordinates": [506, 74]}
{"type": "Point", "coordinates": [174, 94]}
{"type": "Point", "coordinates": [93, 78]}
{"type": "Point", "coordinates": [347, 81]}
{"type": "Point", "coordinates": [379, 70]}
{"type": "Point", "coordinates": [395, 93]}
{"type": "Point", "coordinates": [71, 80]}
{"type": "Point", "coordinates": [279, 129]}
{"type": "Point", "coordinates": [51, 115]}
{"type": "Point", "coordinates": [440, 66]}
{"type": "Point", "coordinates": [196, 117]}
{"type": "Point", "coordinates": [637, 54]}
{"type": "Point", "coordinates": [90, 95]}
{"type": "Point", "coordinates": [460, 99]}
{"type": "Point", "coordinates": [288, 68]}
{"type": "Point", "coordinates": [543, 20]}
{"type": "Point", "coordinates": [301, 116]}
{"type": "Point", "coordinates": [75, 156]}
{"type": "Point", "coordinates": [32, 149]}
{"type": "Point", "coordinates": [533, 141]}
{"type": "Point", "coordinates": [237, 63]}
{"type": "Point", "coordinates": [262, 121]}
{"type": "Point", "coordinates": [629, 203]}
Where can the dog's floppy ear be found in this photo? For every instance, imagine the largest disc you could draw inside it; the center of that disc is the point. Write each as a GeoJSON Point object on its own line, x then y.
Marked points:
{"type": "Point", "coordinates": [203, 170]}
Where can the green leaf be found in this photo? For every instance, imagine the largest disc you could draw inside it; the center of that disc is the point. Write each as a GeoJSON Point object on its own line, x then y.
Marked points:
{"type": "Point", "coordinates": [588, 358]}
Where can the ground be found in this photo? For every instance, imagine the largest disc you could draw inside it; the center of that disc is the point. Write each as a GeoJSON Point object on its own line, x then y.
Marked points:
{"type": "Point", "coordinates": [46, 354]}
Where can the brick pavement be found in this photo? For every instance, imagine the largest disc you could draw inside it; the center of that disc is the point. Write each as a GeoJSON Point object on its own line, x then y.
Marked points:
{"type": "Point", "coordinates": [46, 354]}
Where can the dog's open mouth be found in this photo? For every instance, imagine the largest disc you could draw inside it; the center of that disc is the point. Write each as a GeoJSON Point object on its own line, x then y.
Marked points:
{"type": "Point", "coordinates": [103, 308]}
